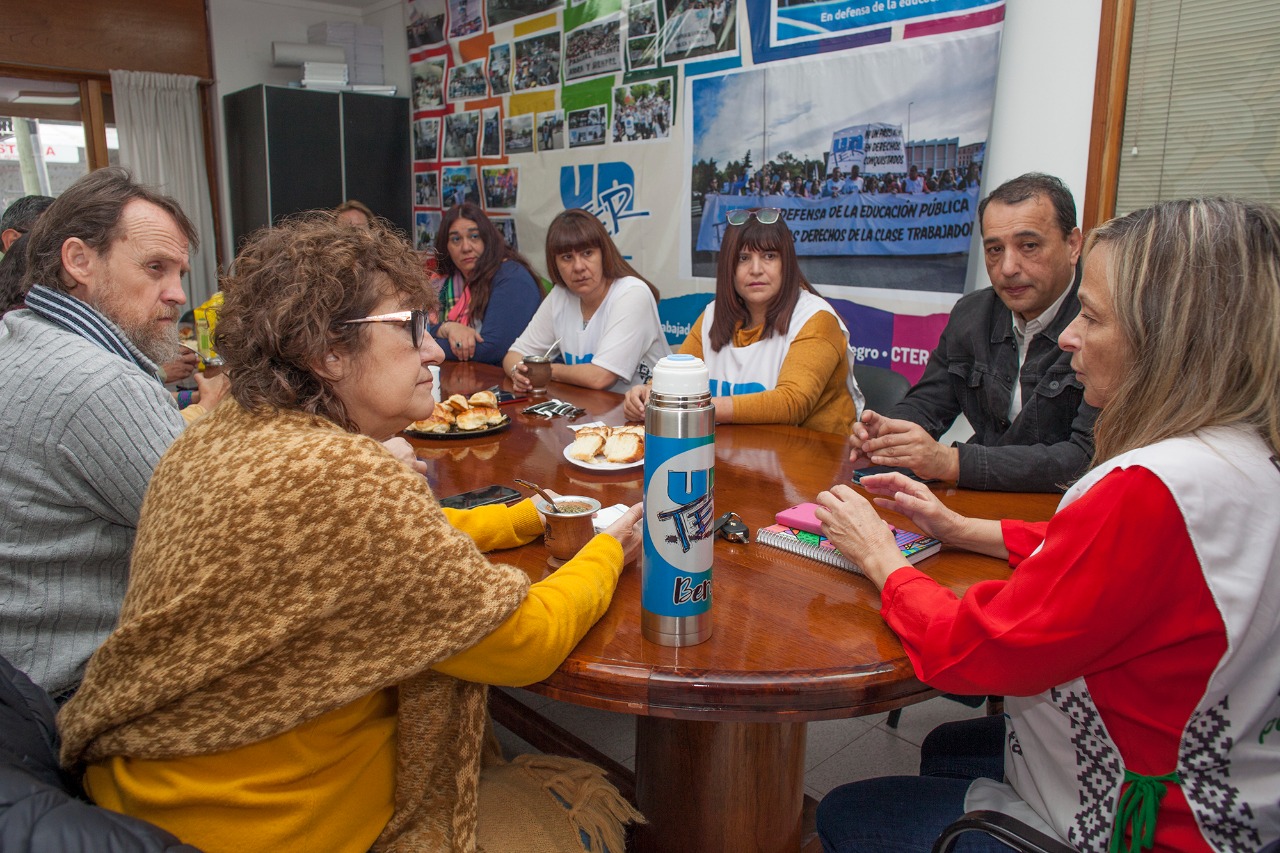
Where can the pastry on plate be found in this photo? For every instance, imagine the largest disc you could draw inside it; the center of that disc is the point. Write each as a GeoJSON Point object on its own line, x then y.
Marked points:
{"type": "Point", "coordinates": [587, 444]}
{"type": "Point", "coordinates": [473, 419]}
{"type": "Point", "coordinates": [483, 399]}
{"type": "Point", "coordinates": [623, 447]}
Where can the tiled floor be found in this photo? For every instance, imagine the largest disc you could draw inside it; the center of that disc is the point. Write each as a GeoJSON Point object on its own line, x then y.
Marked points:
{"type": "Point", "coordinates": [838, 751]}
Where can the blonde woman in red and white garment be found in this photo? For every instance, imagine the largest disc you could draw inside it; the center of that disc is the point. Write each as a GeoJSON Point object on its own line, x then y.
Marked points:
{"type": "Point", "coordinates": [1135, 642]}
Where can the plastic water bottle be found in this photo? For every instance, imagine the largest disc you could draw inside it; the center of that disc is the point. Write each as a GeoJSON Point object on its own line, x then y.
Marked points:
{"type": "Point", "coordinates": [679, 504]}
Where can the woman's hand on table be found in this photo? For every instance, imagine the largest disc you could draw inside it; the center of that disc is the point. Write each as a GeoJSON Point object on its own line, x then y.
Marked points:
{"type": "Point", "coordinates": [462, 339]}
{"type": "Point", "coordinates": [519, 374]}
{"type": "Point", "coordinates": [917, 502]}
{"type": "Point", "coordinates": [853, 525]}
{"type": "Point", "coordinates": [633, 404]}
{"type": "Point", "coordinates": [628, 533]}
{"type": "Point", "coordinates": [404, 452]}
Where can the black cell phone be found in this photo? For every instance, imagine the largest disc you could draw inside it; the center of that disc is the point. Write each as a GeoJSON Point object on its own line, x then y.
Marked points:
{"type": "Point", "coordinates": [481, 497]}
{"type": "Point", "coordinates": [859, 473]}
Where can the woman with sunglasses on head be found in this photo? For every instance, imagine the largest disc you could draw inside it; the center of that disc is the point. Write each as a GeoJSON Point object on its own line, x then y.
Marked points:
{"type": "Point", "coordinates": [602, 316]}
{"type": "Point", "coordinates": [776, 351]}
{"type": "Point", "coordinates": [302, 655]}
{"type": "Point", "coordinates": [1135, 642]}
{"type": "Point", "coordinates": [478, 271]}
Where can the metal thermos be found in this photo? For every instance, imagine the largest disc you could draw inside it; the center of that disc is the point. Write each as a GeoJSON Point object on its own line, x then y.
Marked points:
{"type": "Point", "coordinates": [679, 504]}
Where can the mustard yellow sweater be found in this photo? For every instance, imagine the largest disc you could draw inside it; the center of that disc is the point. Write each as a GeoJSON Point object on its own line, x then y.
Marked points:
{"type": "Point", "coordinates": [328, 784]}
{"type": "Point", "coordinates": [812, 389]}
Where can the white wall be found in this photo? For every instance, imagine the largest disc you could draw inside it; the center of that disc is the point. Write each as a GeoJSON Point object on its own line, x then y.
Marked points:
{"type": "Point", "coordinates": [242, 33]}
{"type": "Point", "coordinates": [1044, 100]}
{"type": "Point", "coordinates": [1041, 120]}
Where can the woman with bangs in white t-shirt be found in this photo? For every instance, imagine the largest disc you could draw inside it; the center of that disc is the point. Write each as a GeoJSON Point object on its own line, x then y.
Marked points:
{"type": "Point", "coordinates": [601, 311]}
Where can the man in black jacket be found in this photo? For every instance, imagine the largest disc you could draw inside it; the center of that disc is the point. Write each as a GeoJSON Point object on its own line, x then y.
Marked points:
{"type": "Point", "coordinates": [998, 361]}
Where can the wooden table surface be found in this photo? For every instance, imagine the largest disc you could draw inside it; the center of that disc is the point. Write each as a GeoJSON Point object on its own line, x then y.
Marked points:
{"type": "Point", "coordinates": [721, 728]}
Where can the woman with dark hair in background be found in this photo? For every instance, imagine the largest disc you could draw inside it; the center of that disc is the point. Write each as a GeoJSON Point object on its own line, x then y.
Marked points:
{"type": "Point", "coordinates": [602, 316]}
{"type": "Point", "coordinates": [488, 291]}
{"type": "Point", "coordinates": [777, 352]}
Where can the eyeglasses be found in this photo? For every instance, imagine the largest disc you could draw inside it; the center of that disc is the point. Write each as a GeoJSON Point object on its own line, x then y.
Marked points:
{"type": "Point", "coordinates": [763, 215]}
{"type": "Point", "coordinates": [415, 320]}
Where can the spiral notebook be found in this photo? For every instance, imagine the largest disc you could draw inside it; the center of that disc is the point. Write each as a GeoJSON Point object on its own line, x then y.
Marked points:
{"type": "Point", "coordinates": [812, 544]}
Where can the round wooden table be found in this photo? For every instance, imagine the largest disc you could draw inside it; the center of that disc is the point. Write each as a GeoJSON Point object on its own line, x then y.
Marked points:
{"type": "Point", "coordinates": [720, 735]}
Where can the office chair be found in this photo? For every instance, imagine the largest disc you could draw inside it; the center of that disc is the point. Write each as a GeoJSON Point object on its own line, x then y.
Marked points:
{"type": "Point", "coordinates": [1003, 828]}
{"type": "Point", "coordinates": [882, 387]}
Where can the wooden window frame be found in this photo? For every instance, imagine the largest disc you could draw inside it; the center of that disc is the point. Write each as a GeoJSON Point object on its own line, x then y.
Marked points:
{"type": "Point", "coordinates": [1110, 91]}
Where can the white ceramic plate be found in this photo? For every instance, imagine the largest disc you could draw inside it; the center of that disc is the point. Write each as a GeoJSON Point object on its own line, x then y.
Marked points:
{"type": "Point", "coordinates": [601, 465]}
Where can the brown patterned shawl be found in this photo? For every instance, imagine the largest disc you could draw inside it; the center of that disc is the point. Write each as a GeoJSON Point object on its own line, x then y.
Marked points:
{"type": "Point", "coordinates": [284, 568]}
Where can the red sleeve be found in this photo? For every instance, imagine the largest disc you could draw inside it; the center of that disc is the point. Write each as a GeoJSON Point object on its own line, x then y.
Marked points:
{"type": "Point", "coordinates": [1022, 537]}
{"type": "Point", "coordinates": [1112, 564]}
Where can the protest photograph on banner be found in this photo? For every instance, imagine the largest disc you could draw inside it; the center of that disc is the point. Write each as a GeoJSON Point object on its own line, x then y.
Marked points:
{"type": "Point", "coordinates": [426, 189]}
{"type": "Point", "coordinates": [500, 185]}
{"type": "Point", "coordinates": [458, 184]}
{"type": "Point", "coordinates": [807, 20]}
{"type": "Point", "coordinates": [425, 25]}
{"type": "Point", "coordinates": [696, 29]}
{"type": "Point", "coordinates": [642, 53]}
{"type": "Point", "coordinates": [491, 132]}
{"type": "Point", "coordinates": [461, 135]}
{"type": "Point", "coordinates": [426, 139]}
{"type": "Point", "coordinates": [642, 111]}
{"type": "Point", "coordinates": [593, 50]}
{"type": "Point", "coordinates": [428, 83]}
{"type": "Point", "coordinates": [504, 11]}
{"type": "Point", "coordinates": [499, 69]}
{"type": "Point", "coordinates": [550, 131]}
{"type": "Point", "coordinates": [517, 134]}
{"type": "Point", "coordinates": [425, 225]}
{"type": "Point", "coordinates": [467, 81]}
{"type": "Point", "coordinates": [642, 18]}
{"type": "Point", "coordinates": [586, 126]}
{"type": "Point", "coordinates": [507, 228]}
{"type": "Point", "coordinates": [873, 177]}
{"type": "Point", "coordinates": [537, 62]}
{"type": "Point", "coordinates": [465, 18]}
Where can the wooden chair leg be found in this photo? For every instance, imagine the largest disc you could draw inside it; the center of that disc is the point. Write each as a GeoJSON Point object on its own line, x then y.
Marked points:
{"type": "Point", "coordinates": [894, 716]}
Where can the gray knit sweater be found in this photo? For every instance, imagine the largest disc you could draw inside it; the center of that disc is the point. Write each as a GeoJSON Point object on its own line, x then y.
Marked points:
{"type": "Point", "coordinates": [81, 430]}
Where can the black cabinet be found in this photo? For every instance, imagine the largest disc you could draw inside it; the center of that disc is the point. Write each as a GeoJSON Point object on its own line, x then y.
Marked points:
{"type": "Point", "coordinates": [290, 150]}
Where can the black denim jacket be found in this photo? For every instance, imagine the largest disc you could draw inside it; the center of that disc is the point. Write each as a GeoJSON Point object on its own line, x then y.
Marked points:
{"type": "Point", "coordinates": [1050, 443]}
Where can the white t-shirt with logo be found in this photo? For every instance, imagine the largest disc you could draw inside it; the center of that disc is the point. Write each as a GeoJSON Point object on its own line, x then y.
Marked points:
{"type": "Point", "coordinates": [624, 336]}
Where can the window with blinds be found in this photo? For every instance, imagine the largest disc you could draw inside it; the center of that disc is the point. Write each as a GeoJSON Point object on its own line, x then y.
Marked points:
{"type": "Point", "coordinates": [1203, 110]}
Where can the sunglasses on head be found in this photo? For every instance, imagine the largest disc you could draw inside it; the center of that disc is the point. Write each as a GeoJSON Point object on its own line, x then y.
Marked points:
{"type": "Point", "coordinates": [763, 215]}
{"type": "Point", "coordinates": [415, 320]}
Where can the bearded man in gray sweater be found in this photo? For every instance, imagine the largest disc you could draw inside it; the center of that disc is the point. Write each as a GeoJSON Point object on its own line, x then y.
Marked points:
{"type": "Point", "coordinates": [83, 415]}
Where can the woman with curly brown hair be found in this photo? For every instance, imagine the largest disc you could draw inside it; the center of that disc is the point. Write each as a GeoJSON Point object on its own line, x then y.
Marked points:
{"type": "Point", "coordinates": [302, 656]}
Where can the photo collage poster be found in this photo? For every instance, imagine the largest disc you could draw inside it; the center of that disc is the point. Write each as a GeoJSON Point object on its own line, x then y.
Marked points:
{"type": "Point", "coordinates": [658, 116]}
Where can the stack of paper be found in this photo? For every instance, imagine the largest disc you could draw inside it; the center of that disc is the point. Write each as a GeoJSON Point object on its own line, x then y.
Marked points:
{"type": "Point", "coordinates": [362, 47]}
{"type": "Point", "coordinates": [324, 75]}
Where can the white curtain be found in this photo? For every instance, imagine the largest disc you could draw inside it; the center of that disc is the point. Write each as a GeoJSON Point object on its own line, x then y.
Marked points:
{"type": "Point", "coordinates": [161, 133]}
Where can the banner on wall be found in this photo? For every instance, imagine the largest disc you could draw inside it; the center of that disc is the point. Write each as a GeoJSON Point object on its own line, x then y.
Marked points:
{"type": "Point", "coordinates": [893, 172]}
{"type": "Point", "coordinates": [808, 20]}
{"type": "Point", "coordinates": [660, 115]}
